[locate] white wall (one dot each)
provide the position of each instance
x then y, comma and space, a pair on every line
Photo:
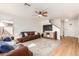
21, 24
78, 28
21, 15
71, 28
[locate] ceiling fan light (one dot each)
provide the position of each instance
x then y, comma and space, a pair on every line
39, 15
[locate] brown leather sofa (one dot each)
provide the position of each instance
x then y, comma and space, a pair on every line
22, 51
30, 36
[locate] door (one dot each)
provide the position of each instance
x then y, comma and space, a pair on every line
70, 28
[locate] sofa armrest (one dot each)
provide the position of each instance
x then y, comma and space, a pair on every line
23, 51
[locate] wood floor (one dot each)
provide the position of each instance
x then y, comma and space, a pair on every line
69, 47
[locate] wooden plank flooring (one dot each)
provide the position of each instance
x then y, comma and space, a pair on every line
69, 47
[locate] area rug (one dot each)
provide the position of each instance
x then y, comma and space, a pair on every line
42, 46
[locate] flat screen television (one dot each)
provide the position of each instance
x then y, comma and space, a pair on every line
47, 28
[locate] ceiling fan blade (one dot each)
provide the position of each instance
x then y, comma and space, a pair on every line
45, 15
45, 12
27, 4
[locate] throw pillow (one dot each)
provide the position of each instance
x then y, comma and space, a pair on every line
36, 33
7, 39
6, 48
25, 34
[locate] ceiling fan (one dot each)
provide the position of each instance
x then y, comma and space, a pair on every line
42, 13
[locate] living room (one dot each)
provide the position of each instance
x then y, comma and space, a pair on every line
39, 29
21, 18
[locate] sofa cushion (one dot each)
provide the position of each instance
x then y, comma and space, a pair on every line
25, 34
36, 33
30, 33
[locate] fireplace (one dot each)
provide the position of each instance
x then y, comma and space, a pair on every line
50, 34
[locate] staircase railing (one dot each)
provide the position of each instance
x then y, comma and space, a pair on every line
57, 26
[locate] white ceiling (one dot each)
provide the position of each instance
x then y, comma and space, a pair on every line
59, 9
64, 10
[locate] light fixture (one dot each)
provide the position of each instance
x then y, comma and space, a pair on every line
66, 20
2, 24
